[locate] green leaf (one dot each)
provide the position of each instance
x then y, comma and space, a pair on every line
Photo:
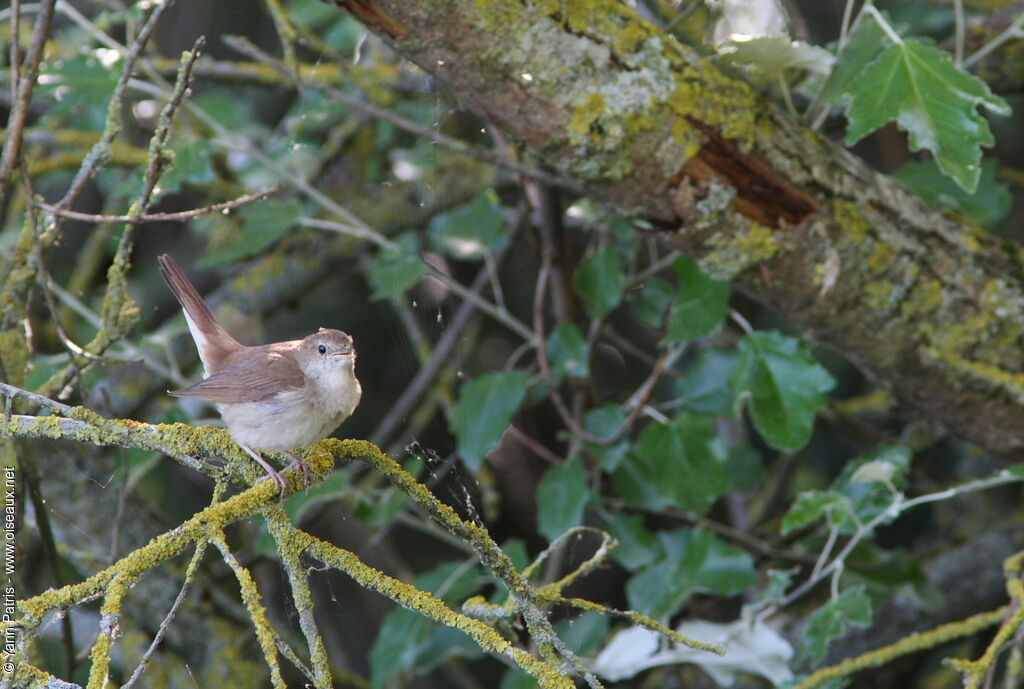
396, 270
705, 387
380, 509
885, 465
773, 55
863, 46
829, 622
191, 164
263, 224
637, 546
987, 206
779, 581
514, 678
694, 561
701, 304
398, 645
604, 422
599, 281
583, 633
867, 485
783, 385
483, 412
934, 102
683, 464
567, 353
652, 300
472, 229
231, 112
408, 642
334, 487
82, 82
561, 497
812, 505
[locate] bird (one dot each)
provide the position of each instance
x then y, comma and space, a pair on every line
274, 397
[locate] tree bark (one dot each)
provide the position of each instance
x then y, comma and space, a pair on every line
928, 304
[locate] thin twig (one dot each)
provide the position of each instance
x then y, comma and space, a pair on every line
190, 573
438, 358
246, 47
160, 217
101, 149
535, 445
24, 87
1012, 31
642, 394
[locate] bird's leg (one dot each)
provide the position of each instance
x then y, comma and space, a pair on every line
271, 471
298, 463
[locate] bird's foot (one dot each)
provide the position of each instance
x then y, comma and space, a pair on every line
272, 473
297, 463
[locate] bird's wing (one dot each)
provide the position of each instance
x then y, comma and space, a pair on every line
247, 382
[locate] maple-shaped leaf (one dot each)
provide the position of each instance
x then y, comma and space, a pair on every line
933, 101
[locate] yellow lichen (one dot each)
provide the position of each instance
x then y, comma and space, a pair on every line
881, 257
732, 253
851, 220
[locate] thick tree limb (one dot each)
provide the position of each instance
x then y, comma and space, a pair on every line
930, 306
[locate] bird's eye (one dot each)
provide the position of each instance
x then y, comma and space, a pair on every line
322, 349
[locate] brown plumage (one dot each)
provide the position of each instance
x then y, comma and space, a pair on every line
278, 396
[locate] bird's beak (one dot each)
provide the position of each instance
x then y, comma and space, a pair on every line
347, 351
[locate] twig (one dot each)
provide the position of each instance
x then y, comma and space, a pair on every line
101, 149
1012, 31
160, 217
499, 314
190, 573
538, 448
244, 46
24, 85
431, 367
77, 422
641, 395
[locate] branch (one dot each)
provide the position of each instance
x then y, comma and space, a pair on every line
930, 305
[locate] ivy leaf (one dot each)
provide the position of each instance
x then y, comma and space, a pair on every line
483, 412
933, 101
773, 55
409, 642
561, 497
812, 505
471, 230
637, 546
988, 205
567, 353
604, 422
652, 300
583, 633
705, 387
599, 281
398, 269
191, 164
80, 82
830, 621
263, 224
701, 304
682, 464
864, 45
694, 560
784, 386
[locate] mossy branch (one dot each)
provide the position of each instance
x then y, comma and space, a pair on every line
191, 445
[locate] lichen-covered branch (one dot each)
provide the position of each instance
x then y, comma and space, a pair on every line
928, 304
183, 441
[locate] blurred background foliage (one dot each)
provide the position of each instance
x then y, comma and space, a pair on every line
538, 360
